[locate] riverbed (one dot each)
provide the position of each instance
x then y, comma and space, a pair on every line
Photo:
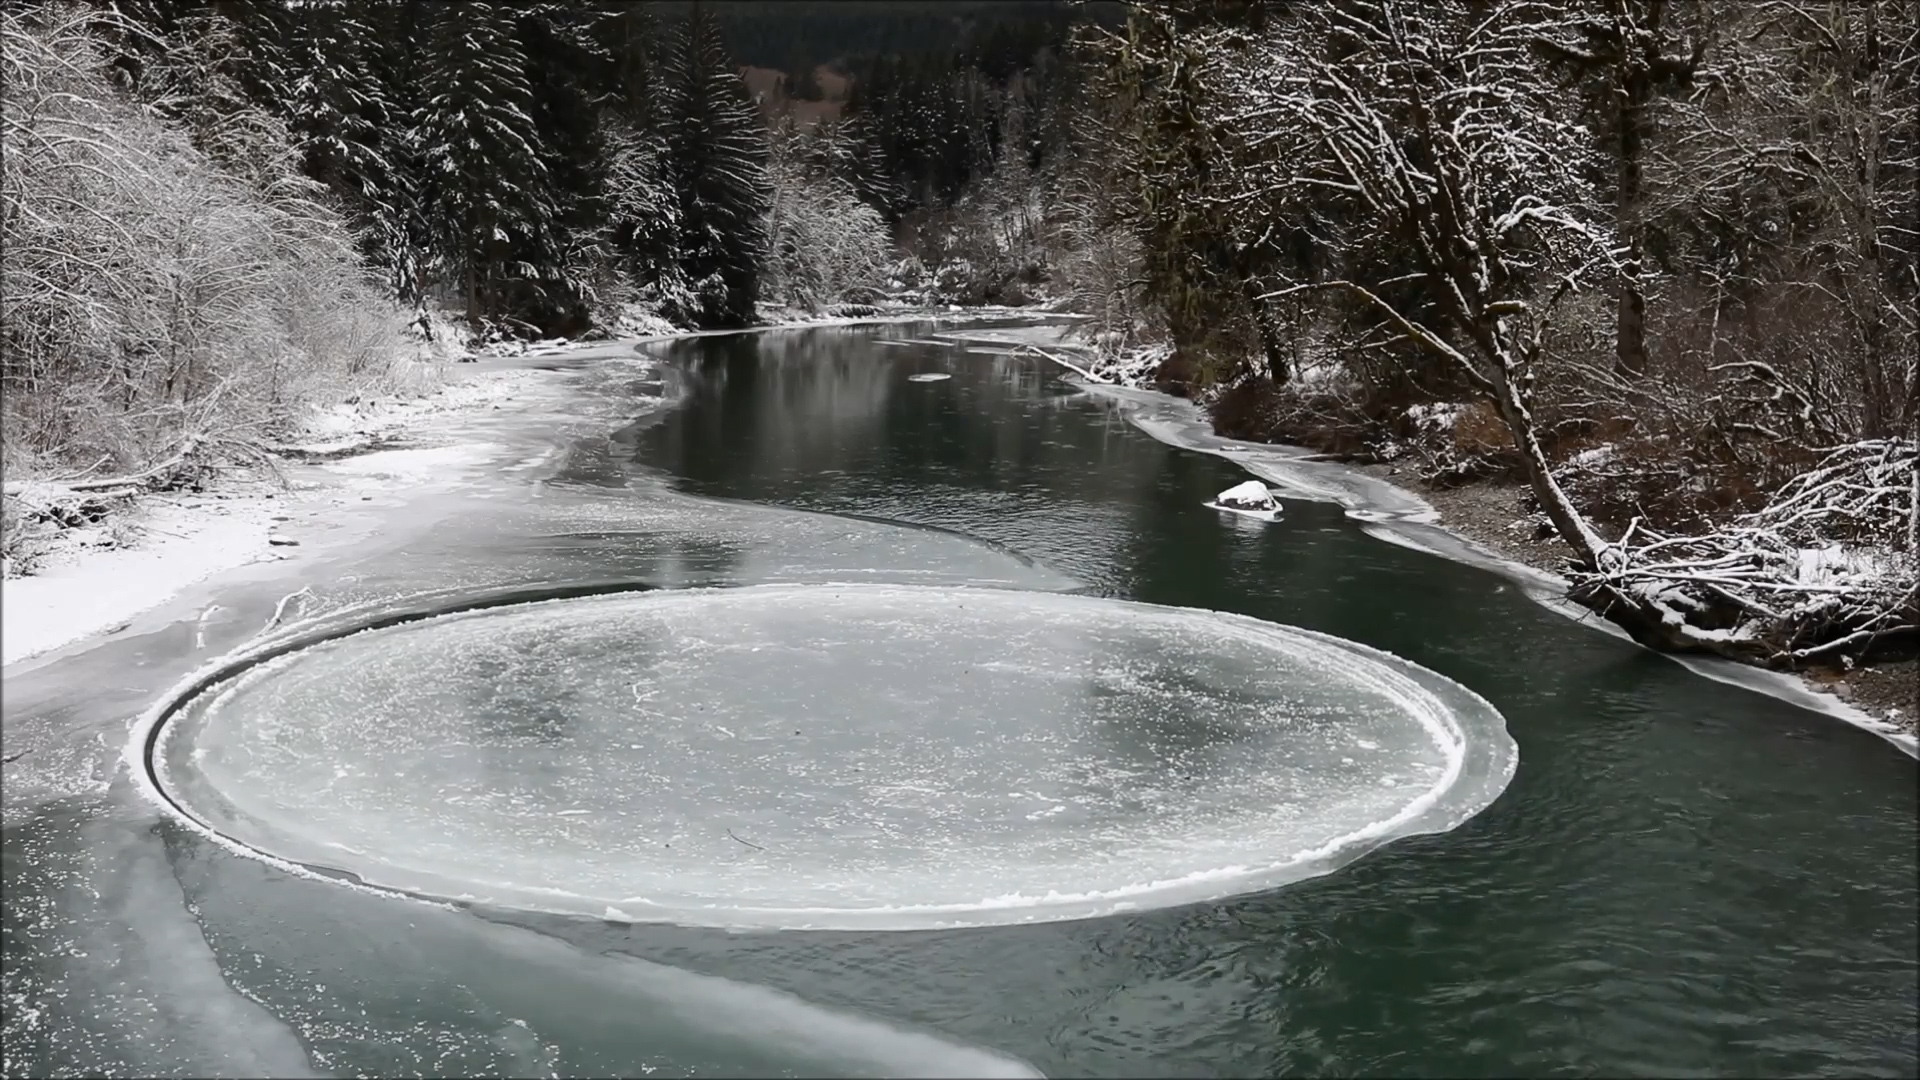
1678, 876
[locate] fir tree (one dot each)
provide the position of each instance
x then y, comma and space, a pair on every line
567, 71
643, 208
719, 159
487, 190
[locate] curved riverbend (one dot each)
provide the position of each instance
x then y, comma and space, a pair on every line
1683, 877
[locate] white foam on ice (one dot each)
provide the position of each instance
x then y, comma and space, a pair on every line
1189, 755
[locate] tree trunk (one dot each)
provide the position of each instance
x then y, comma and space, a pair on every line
1630, 324
1272, 341
1554, 500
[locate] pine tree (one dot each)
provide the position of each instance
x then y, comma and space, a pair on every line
568, 72
719, 158
487, 200
340, 111
643, 207
391, 41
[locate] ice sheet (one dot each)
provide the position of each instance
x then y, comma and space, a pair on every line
834, 755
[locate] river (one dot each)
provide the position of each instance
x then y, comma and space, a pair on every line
1681, 878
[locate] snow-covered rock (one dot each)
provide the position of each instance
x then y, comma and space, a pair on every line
1252, 495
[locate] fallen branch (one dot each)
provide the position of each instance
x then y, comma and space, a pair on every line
166, 468
1818, 572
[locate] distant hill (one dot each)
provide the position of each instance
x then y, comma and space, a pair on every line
790, 35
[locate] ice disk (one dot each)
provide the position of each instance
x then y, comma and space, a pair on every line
833, 756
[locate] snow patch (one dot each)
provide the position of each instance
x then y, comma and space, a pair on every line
1251, 499
85, 592
82, 588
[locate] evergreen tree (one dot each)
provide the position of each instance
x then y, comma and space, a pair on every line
719, 160
341, 113
390, 38
487, 189
630, 38
643, 207
567, 71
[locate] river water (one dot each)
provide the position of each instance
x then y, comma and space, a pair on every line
1681, 878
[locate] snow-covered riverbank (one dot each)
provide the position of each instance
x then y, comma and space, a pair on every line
96, 578
1448, 526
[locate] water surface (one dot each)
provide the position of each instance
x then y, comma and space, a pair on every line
1682, 878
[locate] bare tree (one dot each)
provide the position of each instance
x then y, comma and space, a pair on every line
1626, 53
825, 245
155, 306
1434, 125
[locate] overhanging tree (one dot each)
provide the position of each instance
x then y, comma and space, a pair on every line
1432, 124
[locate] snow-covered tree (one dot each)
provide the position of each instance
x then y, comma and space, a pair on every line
486, 182
158, 307
717, 148
1432, 126
825, 245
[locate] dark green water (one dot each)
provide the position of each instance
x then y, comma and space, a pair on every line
1683, 878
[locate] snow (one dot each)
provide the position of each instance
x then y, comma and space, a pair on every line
409, 467
85, 591
87, 584
1835, 564
1251, 495
349, 424
1250, 499
1436, 418
1594, 457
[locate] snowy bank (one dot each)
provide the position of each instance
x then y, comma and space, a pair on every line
99, 577
1393, 513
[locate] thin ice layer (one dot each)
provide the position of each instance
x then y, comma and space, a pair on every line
835, 755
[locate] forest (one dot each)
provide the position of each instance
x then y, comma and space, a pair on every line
1655, 259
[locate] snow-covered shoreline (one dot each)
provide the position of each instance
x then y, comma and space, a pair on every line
97, 580
1398, 515
94, 580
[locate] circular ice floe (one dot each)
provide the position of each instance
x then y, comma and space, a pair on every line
832, 756
929, 376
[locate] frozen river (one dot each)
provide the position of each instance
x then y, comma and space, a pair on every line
792, 704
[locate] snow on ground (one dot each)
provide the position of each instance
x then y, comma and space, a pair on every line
350, 424
93, 580
82, 589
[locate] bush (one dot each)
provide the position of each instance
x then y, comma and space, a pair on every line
148, 294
